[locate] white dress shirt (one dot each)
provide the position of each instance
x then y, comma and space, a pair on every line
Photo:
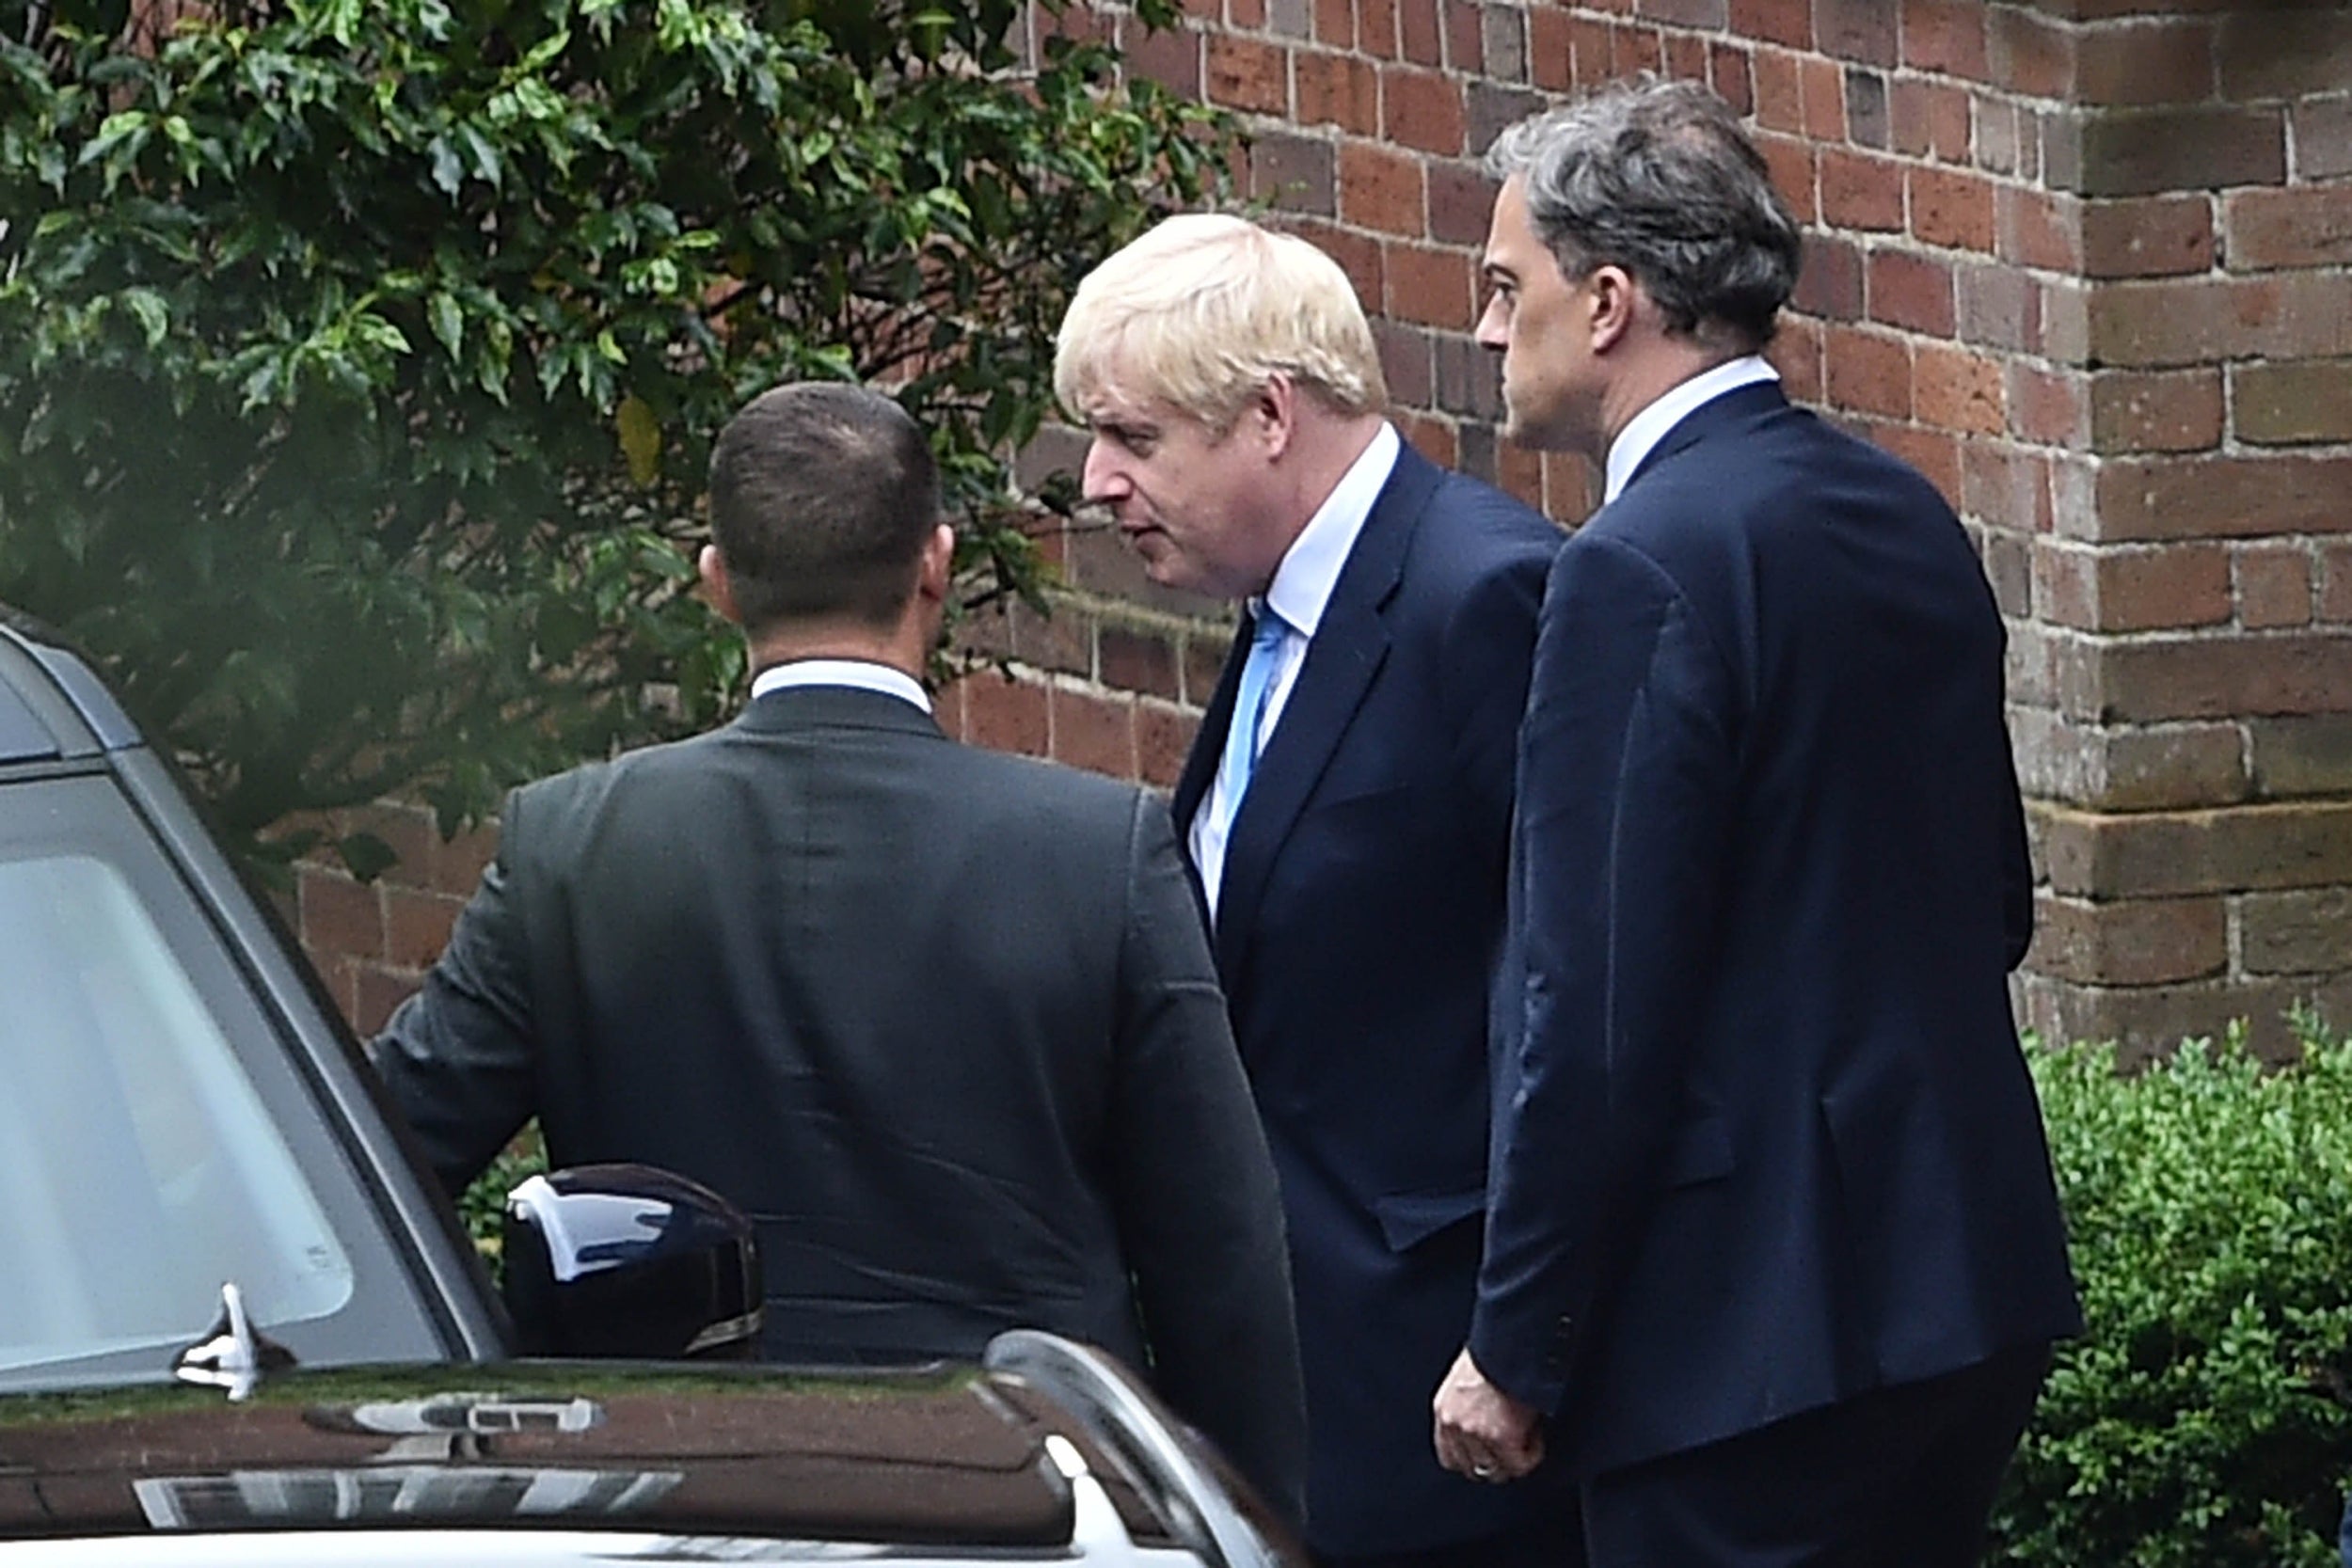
1300, 591
1644, 431
863, 674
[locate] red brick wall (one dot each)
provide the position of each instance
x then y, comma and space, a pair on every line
2086, 262
2186, 681
372, 942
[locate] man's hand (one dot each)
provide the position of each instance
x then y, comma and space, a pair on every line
1481, 1431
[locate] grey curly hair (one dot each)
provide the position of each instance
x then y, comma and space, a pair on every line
1656, 177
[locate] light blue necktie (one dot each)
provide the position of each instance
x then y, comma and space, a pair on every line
1257, 680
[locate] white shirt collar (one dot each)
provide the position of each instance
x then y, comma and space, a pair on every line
863, 674
1643, 432
1310, 567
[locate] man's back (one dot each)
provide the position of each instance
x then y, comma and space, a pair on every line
1814, 798
942, 1021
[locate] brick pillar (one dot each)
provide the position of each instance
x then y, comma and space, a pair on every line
2185, 680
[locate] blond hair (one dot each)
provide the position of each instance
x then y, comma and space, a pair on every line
1203, 310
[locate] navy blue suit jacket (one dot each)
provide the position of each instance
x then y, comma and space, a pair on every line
1770, 1142
1358, 922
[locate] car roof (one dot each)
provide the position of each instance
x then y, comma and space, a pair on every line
52, 706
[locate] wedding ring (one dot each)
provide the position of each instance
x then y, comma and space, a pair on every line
1484, 1472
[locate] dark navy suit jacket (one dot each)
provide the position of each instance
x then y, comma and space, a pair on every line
1358, 922
1769, 1140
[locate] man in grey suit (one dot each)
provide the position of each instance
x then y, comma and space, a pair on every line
940, 1019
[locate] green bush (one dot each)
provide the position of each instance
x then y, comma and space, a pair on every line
482, 1205
359, 362
2199, 1422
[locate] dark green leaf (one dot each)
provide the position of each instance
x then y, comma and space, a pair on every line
366, 856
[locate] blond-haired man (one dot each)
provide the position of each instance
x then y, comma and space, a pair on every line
1347, 805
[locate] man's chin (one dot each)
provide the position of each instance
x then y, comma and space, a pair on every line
1170, 573
1162, 563
1533, 433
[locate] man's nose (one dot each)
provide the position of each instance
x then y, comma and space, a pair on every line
1493, 330
1104, 479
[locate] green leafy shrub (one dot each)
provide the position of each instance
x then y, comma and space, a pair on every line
482, 1204
359, 362
2199, 1422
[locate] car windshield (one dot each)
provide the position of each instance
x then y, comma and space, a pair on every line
156, 1141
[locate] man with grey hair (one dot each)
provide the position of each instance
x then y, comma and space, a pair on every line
1346, 806
1773, 1256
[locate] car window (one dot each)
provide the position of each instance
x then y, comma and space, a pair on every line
130, 1118
155, 1139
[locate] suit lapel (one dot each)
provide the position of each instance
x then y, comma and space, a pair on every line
1346, 651
1208, 742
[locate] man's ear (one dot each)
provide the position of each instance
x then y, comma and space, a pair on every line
718, 587
936, 568
1272, 416
1615, 297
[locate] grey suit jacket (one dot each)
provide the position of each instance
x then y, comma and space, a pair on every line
944, 1021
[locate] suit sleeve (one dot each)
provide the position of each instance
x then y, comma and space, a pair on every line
457, 1056
1199, 1211
2016, 863
1490, 639
1626, 766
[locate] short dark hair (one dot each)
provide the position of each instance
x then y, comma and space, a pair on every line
1656, 177
821, 498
